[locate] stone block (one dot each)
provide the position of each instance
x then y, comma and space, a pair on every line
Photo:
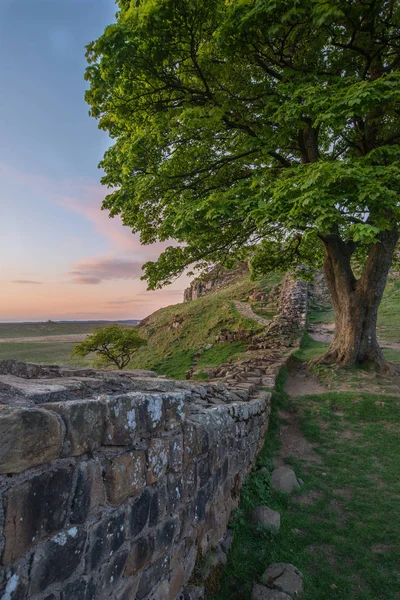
13, 585
89, 491
285, 578
140, 555
283, 479
34, 509
165, 535
111, 575
176, 453
106, 537
84, 422
158, 505
261, 592
153, 575
151, 414
56, 559
127, 589
28, 437
157, 459
176, 581
139, 513
121, 425
175, 493
189, 480
266, 518
124, 476
82, 589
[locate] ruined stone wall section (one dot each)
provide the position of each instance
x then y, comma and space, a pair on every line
111, 483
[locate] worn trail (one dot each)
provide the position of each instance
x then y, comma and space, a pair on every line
246, 311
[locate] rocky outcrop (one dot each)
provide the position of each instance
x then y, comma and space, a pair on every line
214, 280
112, 483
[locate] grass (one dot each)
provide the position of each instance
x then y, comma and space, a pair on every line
178, 335
346, 543
389, 311
42, 352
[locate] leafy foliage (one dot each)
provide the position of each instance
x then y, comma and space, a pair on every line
240, 124
114, 344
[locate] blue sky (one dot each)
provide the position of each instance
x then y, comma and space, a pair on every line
62, 257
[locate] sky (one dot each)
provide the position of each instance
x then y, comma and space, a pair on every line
61, 256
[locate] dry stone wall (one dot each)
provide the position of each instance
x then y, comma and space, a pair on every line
111, 482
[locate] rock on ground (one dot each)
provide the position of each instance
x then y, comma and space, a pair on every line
262, 515
284, 577
192, 593
283, 479
261, 592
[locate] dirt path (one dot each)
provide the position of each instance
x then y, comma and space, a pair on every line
69, 337
300, 382
246, 311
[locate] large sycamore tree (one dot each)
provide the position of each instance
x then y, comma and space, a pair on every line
266, 128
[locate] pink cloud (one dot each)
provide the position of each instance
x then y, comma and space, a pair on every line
95, 270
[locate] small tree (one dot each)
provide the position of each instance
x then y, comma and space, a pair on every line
114, 345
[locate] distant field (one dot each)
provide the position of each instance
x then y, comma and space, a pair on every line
56, 347
16, 330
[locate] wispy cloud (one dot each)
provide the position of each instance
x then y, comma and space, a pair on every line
27, 281
98, 269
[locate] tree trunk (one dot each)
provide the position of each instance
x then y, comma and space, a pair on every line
356, 301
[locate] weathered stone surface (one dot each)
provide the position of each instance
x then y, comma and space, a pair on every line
34, 509
28, 437
157, 459
89, 493
124, 476
151, 577
82, 589
139, 513
140, 555
56, 559
121, 420
176, 581
283, 479
284, 577
106, 538
261, 592
84, 421
13, 585
193, 593
226, 544
266, 517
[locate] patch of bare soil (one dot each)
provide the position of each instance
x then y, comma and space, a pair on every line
326, 550
293, 442
322, 332
301, 383
309, 498
68, 337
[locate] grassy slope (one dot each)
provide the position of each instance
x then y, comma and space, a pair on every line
345, 543
388, 317
172, 351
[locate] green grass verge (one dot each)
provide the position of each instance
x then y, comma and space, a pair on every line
346, 542
42, 352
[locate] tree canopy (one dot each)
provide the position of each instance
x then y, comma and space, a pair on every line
244, 122
115, 345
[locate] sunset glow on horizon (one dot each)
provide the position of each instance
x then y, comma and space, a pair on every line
63, 258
